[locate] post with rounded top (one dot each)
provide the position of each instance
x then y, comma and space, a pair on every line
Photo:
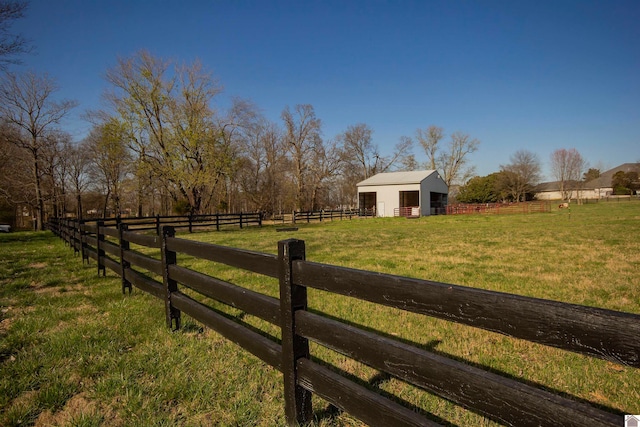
170, 285
294, 347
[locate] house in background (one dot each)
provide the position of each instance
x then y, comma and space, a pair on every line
595, 189
417, 193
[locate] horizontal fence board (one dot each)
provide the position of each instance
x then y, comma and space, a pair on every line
606, 334
364, 404
141, 239
91, 253
142, 228
248, 260
112, 265
258, 345
254, 303
499, 398
139, 260
90, 228
145, 283
110, 247
110, 231
91, 240
139, 221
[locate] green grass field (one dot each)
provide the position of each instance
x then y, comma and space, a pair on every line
75, 352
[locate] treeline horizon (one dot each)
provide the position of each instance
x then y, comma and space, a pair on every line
162, 145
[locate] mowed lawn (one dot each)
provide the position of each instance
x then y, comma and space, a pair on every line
75, 351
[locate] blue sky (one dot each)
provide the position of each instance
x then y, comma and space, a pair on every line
536, 75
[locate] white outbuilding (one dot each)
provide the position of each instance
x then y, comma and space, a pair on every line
417, 193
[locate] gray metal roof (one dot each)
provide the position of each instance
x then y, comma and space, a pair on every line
604, 181
396, 178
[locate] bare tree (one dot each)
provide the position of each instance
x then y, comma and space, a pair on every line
429, 139
27, 105
235, 128
263, 169
359, 151
302, 139
55, 166
567, 167
401, 155
454, 162
327, 161
110, 160
11, 45
520, 176
16, 187
78, 158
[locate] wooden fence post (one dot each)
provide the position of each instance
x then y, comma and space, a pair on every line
83, 243
241, 220
99, 250
170, 285
190, 223
217, 222
158, 225
124, 265
74, 236
292, 298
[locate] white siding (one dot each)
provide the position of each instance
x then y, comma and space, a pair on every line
389, 195
388, 187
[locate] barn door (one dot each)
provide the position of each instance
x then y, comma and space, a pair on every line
380, 210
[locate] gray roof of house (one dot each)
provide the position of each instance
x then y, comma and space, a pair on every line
397, 178
603, 181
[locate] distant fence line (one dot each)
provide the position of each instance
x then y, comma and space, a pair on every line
590, 331
499, 208
177, 221
220, 220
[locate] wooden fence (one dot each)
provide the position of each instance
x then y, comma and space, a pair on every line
330, 215
594, 332
499, 208
177, 221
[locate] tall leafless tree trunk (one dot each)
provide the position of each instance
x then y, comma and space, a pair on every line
454, 162
519, 176
27, 105
430, 139
358, 149
567, 167
302, 136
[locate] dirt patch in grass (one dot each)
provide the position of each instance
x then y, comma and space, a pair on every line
47, 289
79, 408
38, 265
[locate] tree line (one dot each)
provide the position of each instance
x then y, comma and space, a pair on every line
517, 180
164, 145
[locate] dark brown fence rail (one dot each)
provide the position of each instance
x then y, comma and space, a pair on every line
594, 332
